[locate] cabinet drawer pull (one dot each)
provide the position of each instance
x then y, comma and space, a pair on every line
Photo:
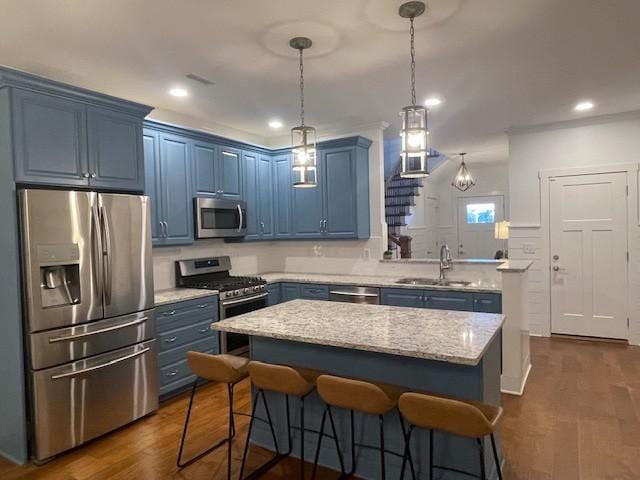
204, 330
169, 314
170, 340
203, 305
172, 374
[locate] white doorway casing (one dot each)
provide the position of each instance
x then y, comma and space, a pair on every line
588, 255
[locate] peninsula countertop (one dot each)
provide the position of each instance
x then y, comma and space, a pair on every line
443, 335
388, 281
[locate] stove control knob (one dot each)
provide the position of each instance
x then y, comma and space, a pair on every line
236, 292
247, 290
262, 287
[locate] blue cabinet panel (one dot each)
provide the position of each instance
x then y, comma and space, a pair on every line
449, 300
289, 291
314, 292
152, 181
229, 173
307, 208
115, 150
204, 159
250, 168
282, 195
487, 302
339, 195
177, 199
274, 293
265, 197
401, 297
50, 139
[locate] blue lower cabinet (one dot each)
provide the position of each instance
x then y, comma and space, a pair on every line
314, 292
183, 327
289, 291
274, 293
487, 302
448, 300
402, 297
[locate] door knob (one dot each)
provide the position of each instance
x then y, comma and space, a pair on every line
556, 268
556, 257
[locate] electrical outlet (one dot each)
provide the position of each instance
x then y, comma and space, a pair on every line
529, 248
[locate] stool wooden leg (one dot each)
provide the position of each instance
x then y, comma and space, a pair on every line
230, 434
495, 457
320, 436
383, 470
483, 474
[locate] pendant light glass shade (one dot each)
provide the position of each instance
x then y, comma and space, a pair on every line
463, 180
303, 148
414, 152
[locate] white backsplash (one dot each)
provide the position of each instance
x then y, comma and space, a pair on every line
331, 257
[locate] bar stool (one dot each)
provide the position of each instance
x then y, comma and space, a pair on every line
224, 368
365, 397
459, 417
291, 382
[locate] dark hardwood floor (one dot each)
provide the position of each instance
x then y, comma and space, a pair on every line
579, 419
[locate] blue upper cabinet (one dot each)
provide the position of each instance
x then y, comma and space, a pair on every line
282, 195
115, 150
152, 181
175, 187
70, 137
265, 197
204, 178
229, 173
339, 198
307, 207
250, 160
50, 139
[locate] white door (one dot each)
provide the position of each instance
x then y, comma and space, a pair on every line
476, 226
588, 235
431, 226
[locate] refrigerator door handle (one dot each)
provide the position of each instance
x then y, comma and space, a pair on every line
107, 257
71, 338
101, 366
97, 251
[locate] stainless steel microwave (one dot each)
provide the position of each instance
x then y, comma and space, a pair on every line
220, 218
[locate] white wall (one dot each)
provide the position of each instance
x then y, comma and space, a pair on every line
594, 142
491, 179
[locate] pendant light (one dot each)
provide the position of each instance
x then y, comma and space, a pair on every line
463, 180
303, 137
414, 150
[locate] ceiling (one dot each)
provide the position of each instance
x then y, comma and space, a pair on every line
495, 63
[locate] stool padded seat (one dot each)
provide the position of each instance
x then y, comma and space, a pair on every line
294, 381
374, 398
222, 368
466, 418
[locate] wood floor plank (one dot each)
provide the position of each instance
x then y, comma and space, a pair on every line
578, 419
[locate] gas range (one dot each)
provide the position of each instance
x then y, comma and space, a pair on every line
213, 274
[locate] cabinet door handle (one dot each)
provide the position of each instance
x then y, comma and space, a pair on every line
324, 222
86, 175
321, 225
262, 226
93, 175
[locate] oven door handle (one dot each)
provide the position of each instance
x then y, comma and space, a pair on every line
240, 218
244, 300
353, 294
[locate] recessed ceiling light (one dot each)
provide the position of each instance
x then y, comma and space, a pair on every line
432, 102
275, 124
178, 92
583, 106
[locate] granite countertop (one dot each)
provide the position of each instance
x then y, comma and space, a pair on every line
389, 281
172, 295
443, 335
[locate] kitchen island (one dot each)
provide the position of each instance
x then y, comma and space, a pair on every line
439, 351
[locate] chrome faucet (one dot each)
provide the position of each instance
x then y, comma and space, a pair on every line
445, 261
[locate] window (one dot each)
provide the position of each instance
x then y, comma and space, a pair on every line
481, 213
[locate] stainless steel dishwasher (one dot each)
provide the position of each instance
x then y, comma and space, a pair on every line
349, 294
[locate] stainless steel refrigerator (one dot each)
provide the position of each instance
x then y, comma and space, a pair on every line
88, 307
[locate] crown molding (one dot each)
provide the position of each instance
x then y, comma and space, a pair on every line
576, 122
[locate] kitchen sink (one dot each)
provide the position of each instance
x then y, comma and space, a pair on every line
434, 282
418, 281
